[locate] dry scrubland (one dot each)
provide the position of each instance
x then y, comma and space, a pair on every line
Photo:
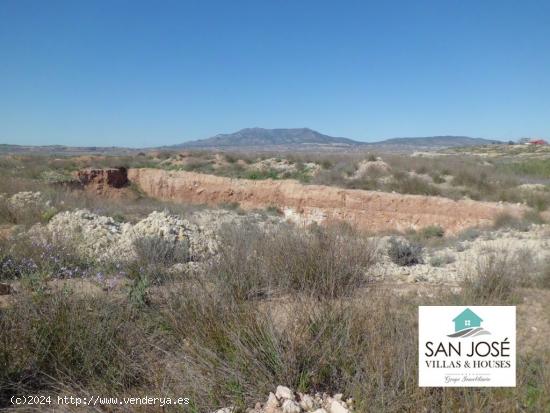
120, 294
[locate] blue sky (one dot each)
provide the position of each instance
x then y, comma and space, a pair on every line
147, 73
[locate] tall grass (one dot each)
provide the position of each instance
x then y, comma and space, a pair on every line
220, 352
326, 262
91, 343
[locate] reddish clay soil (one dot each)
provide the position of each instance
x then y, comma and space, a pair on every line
367, 210
108, 183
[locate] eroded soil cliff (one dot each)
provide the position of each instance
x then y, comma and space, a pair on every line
369, 210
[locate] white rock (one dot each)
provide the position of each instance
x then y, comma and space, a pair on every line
225, 410
290, 406
306, 402
104, 239
283, 392
336, 407
272, 405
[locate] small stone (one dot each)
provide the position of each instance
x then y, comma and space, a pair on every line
336, 407
321, 410
283, 392
306, 402
290, 406
5, 289
272, 405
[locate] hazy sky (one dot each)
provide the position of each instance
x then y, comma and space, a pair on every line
147, 73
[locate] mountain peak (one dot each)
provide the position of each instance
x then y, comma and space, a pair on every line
261, 137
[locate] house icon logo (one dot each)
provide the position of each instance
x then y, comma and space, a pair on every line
468, 324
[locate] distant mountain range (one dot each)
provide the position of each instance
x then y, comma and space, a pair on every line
271, 139
65, 150
308, 138
447, 141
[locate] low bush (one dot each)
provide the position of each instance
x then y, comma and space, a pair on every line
158, 251
238, 352
42, 257
507, 221
200, 165
469, 234
405, 254
442, 260
544, 281
539, 201
318, 261
533, 167
432, 231
60, 338
154, 257
405, 184
494, 278
257, 174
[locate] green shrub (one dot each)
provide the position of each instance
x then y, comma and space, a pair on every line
405, 254
545, 277
532, 167
538, 201
405, 184
432, 231
441, 260
507, 221
155, 256
437, 178
274, 210
257, 175
494, 279
326, 164
318, 261
469, 234
60, 338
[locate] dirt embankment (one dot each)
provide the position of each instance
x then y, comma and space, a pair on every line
368, 210
108, 183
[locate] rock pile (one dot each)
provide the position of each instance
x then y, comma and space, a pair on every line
467, 254
366, 167
27, 200
25, 205
284, 400
284, 166
104, 239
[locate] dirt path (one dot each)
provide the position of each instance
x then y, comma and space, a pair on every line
368, 210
